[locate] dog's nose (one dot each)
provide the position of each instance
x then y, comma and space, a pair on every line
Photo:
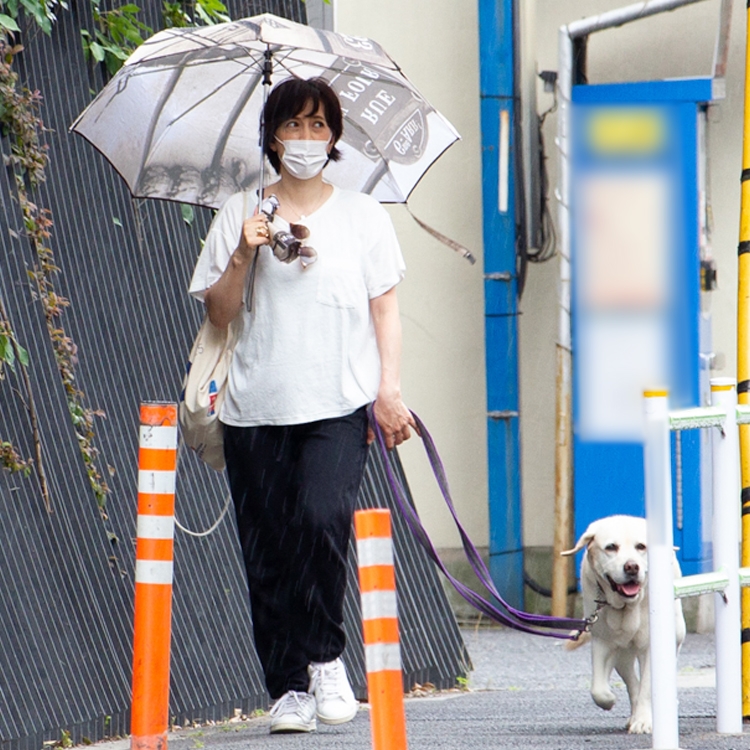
631, 567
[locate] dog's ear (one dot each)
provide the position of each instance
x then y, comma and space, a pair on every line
586, 538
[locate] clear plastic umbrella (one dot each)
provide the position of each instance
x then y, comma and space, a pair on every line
180, 120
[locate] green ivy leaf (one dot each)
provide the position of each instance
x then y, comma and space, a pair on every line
214, 7
7, 355
23, 356
96, 51
116, 221
211, 12
188, 214
39, 12
132, 35
8, 23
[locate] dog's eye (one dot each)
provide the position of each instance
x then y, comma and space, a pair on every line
611, 547
641, 547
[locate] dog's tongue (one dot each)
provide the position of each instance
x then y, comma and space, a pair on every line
629, 589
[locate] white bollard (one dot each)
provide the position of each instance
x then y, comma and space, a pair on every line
726, 540
663, 649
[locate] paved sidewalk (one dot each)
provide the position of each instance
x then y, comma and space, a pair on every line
525, 693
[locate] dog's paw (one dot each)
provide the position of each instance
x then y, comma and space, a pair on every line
604, 699
639, 724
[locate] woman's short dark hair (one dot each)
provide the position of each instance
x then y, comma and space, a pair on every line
288, 99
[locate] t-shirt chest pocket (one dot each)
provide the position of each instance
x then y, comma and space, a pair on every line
340, 285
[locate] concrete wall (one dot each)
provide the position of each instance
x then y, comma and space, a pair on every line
436, 44
442, 305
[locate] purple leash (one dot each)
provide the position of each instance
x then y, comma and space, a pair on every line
556, 627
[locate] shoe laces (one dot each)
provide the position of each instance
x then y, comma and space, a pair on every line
328, 677
290, 702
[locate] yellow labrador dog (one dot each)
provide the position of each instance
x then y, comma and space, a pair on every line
614, 576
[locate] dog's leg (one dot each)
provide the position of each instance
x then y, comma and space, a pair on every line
625, 667
641, 721
602, 662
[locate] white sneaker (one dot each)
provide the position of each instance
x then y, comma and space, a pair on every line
293, 712
329, 684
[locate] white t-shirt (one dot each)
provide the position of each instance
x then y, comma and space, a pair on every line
307, 351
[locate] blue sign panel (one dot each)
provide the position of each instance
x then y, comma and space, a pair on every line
636, 295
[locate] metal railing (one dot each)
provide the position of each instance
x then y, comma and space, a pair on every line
722, 418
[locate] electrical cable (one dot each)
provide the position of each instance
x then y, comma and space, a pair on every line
548, 247
539, 589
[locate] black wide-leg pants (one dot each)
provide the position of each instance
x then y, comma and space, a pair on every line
294, 489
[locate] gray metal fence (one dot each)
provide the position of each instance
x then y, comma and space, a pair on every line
66, 593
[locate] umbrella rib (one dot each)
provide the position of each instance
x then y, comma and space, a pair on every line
178, 36
150, 144
223, 84
148, 141
231, 120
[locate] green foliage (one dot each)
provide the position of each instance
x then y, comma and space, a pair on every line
188, 213
42, 12
10, 353
195, 13
10, 349
65, 741
19, 122
12, 461
8, 24
27, 161
118, 32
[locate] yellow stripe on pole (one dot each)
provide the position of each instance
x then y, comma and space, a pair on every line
743, 367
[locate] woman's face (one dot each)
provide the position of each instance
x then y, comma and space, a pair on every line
308, 125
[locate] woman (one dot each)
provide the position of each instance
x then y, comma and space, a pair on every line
320, 342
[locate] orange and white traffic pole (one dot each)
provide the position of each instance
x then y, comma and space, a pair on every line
377, 582
157, 462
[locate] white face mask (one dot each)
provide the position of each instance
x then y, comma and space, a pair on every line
304, 159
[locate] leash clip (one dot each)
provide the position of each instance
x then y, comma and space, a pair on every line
600, 605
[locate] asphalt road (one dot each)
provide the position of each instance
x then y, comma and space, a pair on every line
525, 693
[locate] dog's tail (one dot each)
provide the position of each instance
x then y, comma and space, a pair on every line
573, 645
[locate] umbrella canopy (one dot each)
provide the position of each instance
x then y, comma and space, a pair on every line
180, 120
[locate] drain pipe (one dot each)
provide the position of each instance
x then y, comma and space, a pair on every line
571, 66
501, 189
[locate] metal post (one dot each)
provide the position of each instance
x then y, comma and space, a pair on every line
726, 538
743, 368
564, 356
498, 100
663, 636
